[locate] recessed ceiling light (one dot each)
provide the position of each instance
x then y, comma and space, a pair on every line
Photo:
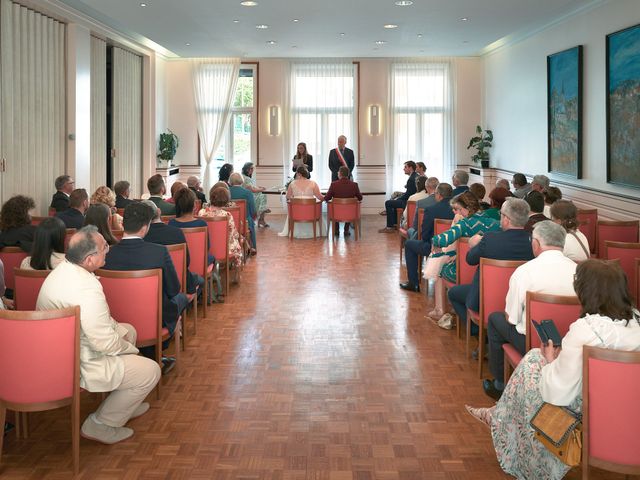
390, 26
419, 35
404, 3
295, 20
236, 21
294, 46
421, 51
380, 42
342, 34
188, 44
271, 42
465, 41
143, 4
464, 19
262, 26
248, 3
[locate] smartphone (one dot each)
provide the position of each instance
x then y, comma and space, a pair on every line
547, 331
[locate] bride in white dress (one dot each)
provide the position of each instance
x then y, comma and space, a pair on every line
302, 187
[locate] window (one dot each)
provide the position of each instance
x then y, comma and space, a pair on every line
420, 117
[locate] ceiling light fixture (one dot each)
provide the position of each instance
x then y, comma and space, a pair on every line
271, 42
419, 35
342, 34
248, 3
390, 26
404, 3
262, 26
143, 4
236, 21
380, 42
464, 19
188, 44
295, 20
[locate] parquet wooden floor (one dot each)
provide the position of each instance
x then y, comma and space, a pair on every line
318, 367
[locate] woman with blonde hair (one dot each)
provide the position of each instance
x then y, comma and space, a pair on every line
107, 196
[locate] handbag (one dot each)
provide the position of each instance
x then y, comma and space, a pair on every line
560, 431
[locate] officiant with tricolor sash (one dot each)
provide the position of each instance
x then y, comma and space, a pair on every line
341, 156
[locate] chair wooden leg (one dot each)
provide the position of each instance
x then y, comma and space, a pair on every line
176, 342
205, 294
356, 227
226, 280
314, 229
159, 360
3, 418
480, 347
195, 313
25, 424
468, 340
506, 375
75, 432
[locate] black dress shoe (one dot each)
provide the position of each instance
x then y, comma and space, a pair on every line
347, 233
168, 363
491, 390
410, 286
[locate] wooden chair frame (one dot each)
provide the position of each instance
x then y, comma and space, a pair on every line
206, 271
410, 209
591, 215
316, 220
343, 201
220, 263
193, 298
615, 223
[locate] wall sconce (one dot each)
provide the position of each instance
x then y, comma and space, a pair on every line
374, 120
274, 120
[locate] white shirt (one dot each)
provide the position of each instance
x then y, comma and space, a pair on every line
561, 380
572, 248
550, 272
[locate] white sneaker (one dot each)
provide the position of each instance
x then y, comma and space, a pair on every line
104, 433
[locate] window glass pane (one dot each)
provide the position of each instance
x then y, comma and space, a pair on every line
241, 124
324, 92
433, 141
244, 93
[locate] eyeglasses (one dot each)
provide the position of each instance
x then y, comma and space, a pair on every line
505, 215
105, 250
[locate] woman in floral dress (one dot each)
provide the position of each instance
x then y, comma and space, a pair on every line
219, 198
259, 197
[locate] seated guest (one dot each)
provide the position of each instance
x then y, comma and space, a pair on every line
551, 195
73, 217
520, 185
175, 186
238, 192
576, 245
480, 191
414, 248
193, 183
512, 243
221, 185
121, 190
5, 304
497, 196
15, 223
163, 234
400, 202
107, 197
549, 272
225, 173
540, 183
99, 215
185, 201
554, 375
259, 197
535, 199
421, 169
157, 189
64, 187
343, 188
108, 355
430, 199
421, 193
48, 246
460, 179
219, 198
503, 183
133, 253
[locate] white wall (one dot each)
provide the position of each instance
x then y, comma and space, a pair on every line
516, 97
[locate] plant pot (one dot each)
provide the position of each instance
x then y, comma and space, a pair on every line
484, 163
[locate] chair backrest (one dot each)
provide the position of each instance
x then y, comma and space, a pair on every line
241, 203
218, 231
610, 414
464, 271
37, 220
344, 209
411, 211
616, 232
120, 211
69, 233
636, 274
178, 254
441, 225
238, 219
135, 297
588, 223
626, 253
166, 218
40, 357
419, 226
27, 287
563, 310
494, 284
303, 209
197, 244
11, 258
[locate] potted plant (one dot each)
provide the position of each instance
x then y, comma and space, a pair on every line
481, 142
168, 146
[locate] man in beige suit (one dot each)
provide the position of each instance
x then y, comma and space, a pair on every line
108, 356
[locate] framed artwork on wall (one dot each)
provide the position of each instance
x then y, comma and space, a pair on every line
564, 112
623, 107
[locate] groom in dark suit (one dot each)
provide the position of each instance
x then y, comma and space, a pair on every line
343, 188
341, 156
390, 206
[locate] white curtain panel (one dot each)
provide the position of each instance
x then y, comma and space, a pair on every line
214, 87
32, 103
127, 119
322, 106
98, 113
420, 120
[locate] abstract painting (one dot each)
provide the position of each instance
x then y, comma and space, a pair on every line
623, 107
564, 112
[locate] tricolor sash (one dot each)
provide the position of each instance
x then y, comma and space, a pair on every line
341, 158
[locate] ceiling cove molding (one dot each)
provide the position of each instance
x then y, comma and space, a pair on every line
518, 37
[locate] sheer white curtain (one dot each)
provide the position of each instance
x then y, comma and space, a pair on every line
322, 103
98, 113
214, 86
32, 103
127, 119
420, 120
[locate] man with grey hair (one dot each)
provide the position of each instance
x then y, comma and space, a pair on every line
121, 189
503, 183
520, 185
238, 192
430, 199
194, 185
512, 243
459, 180
540, 183
549, 272
64, 186
109, 360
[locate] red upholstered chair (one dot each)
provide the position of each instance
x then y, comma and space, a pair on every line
178, 254
304, 210
196, 207
242, 227
11, 258
441, 225
67, 237
616, 232
145, 314
464, 271
166, 218
118, 234
494, 284
626, 254
218, 231
197, 238
344, 210
411, 210
610, 414
588, 219
37, 220
40, 358
27, 287
563, 310
239, 221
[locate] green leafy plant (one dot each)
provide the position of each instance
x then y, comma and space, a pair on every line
481, 142
168, 146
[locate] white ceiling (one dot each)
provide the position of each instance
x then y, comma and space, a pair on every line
208, 26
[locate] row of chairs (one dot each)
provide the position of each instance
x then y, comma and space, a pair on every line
309, 210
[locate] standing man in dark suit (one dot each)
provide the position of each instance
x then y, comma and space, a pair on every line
512, 243
400, 202
121, 189
343, 188
64, 186
133, 253
414, 248
73, 217
157, 189
341, 156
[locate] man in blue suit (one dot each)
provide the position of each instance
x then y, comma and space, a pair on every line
414, 248
460, 179
512, 243
238, 192
400, 202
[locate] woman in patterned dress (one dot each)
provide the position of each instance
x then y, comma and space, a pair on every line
259, 197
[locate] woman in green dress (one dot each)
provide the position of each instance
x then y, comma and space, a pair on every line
259, 197
497, 196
